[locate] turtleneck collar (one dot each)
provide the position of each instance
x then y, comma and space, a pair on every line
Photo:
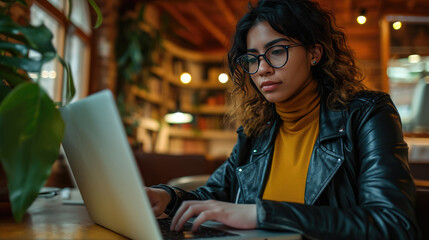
302, 109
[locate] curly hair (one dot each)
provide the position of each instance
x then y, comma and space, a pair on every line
338, 75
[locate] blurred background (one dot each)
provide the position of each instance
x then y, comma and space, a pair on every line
168, 56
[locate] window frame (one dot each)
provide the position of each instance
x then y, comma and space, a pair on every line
66, 29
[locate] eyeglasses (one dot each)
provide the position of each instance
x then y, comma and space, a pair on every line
276, 56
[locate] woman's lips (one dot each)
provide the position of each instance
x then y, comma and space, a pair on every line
269, 86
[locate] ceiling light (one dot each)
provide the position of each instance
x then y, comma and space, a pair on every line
397, 25
185, 78
361, 19
178, 118
223, 78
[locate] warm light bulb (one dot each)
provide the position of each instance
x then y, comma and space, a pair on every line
185, 78
414, 58
361, 19
223, 78
397, 25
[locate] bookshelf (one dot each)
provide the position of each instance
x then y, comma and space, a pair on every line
204, 97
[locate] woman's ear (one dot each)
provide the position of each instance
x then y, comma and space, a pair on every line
316, 53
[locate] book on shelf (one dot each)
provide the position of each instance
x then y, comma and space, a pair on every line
149, 110
202, 123
217, 99
192, 146
213, 73
175, 146
210, 122
221, 148
186, 97
187, 146
154, 86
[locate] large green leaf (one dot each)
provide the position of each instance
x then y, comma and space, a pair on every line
26, 64
13, 48
32, 130
38, 39
4, 91
14, 78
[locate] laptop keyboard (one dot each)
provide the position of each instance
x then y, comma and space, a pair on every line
186, 233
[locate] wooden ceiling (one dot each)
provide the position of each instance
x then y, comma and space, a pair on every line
207, 26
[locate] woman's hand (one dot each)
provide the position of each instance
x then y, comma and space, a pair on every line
159, 200
241, 216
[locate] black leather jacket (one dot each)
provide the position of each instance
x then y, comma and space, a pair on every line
358, 182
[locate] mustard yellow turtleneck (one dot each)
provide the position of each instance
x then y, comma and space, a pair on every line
294, 145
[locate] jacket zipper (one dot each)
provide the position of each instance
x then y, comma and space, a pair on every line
238, 195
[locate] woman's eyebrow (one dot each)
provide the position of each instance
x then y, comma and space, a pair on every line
269, 44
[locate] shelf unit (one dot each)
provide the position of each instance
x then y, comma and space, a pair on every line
204, 97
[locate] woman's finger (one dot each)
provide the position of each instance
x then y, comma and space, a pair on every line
204, 217
158, 199
233, 215
187, 210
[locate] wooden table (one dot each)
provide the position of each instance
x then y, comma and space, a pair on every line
50, 219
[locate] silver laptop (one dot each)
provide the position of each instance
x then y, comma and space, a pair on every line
107, 175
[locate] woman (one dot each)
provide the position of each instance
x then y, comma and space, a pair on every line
317, 153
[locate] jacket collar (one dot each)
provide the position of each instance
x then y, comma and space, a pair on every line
331, 123
331, 126
325, 163
266, 140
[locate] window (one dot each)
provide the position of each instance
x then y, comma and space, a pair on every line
408, 69
71, 40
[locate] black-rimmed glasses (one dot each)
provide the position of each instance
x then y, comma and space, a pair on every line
276, 56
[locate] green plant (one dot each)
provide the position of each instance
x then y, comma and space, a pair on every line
134, 48
31, 125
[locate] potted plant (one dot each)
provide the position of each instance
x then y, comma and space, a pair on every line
135, 45
31, 125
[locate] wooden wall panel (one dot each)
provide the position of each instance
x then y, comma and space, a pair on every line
103, 62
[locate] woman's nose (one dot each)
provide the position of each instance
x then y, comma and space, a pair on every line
264, 67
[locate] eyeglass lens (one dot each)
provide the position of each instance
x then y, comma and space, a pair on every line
275, 56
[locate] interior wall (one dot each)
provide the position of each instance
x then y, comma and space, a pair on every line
365, 40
